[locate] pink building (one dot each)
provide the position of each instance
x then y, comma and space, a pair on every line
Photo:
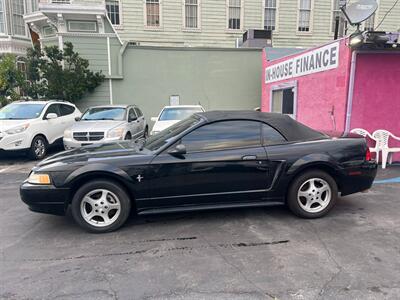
336, 88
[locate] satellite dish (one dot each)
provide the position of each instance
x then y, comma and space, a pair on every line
359, 11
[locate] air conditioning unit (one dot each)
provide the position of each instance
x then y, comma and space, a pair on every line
257, 38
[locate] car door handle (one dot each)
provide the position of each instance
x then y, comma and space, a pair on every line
249, 157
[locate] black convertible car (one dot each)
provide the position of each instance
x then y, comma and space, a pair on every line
211, 160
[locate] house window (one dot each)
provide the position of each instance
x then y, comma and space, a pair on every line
82, 26
283, 101
304, 15
2, 18
370, 23
113, 11
48, 31
18, 11
335, 13
270, 14
153, 13
191, 13
234, 14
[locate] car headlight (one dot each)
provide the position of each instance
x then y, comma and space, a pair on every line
68, 134
35, 178
18, 129
116, 132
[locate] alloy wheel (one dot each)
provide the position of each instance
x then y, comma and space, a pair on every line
100, 208
314, 195
39, 148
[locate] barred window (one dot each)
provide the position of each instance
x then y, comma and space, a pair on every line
153, 13
18, 11
304, 15
370, 23
234, 13
270, 15
191, 13
2, 18
113, 7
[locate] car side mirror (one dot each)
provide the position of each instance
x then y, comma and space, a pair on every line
178, 150
77, 119
131, 119
154, 119
51, 116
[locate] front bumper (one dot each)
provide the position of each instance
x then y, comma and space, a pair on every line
358, 178
73, 144
45, 198
19, 141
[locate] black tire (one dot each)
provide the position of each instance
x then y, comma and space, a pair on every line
294, 203
128, 136
146, 132
38, 149
115, 189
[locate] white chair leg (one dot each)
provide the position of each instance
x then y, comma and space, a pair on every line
384, 158
377, 157
390, 158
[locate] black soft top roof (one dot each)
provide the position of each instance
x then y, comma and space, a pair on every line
289, 128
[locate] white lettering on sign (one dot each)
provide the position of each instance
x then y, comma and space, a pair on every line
318, 60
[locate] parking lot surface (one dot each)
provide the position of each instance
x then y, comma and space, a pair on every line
263, 253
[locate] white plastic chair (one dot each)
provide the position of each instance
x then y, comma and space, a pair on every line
382, 141
365, 134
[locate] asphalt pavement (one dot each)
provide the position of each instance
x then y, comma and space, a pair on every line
263, 253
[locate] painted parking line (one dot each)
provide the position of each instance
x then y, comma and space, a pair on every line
5, 169
389, 180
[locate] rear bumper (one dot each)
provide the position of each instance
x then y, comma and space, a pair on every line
359, 178
45, 199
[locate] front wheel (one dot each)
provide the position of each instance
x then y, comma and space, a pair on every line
38, 148
101, 206
312, 194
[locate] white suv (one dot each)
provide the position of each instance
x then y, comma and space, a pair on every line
35, 125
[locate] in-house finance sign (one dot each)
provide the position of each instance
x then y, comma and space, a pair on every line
318, 60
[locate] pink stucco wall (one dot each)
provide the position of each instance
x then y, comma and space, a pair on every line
376, 93
376, 99
321, 97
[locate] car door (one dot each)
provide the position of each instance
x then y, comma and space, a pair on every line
134, 125
225, 162
140, 119
67, 116
53, 127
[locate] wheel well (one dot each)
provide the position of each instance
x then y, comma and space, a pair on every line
42, 135
101, 176
317, 167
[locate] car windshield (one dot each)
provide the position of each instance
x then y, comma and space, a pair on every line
158, 140
104, 113
178, 113
21, 111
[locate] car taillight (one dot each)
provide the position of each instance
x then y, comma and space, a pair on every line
368, 155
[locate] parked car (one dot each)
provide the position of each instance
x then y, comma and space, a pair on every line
210, 160
104, 124
35, 125
170, 115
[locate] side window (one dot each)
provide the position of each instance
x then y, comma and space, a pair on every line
271, 136
138, 112
53, 109
223, 135
132, 114
66, 109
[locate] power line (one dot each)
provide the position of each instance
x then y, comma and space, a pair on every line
388, 12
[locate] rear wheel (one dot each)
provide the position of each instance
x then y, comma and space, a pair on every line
38, 148
128, 136
101, 206
312, 194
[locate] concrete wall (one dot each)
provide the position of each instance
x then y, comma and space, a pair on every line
215, 78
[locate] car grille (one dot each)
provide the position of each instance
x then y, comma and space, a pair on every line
88, 136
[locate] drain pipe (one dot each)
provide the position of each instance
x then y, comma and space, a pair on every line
350, 92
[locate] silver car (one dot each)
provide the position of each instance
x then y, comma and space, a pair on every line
104, 124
